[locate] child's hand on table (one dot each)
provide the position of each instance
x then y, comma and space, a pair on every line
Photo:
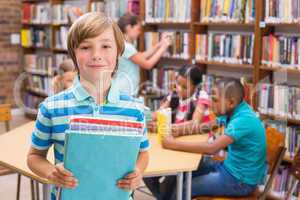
62, 177
131, 181
168, 142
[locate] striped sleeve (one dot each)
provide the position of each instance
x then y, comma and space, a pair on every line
41, 135
145, 145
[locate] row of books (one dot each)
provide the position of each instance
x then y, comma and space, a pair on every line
31, 102
279, 100
282, 182
44, 13
115, 9
163, 79
281, 50
282, 11
36, 13
36, 37
38, 63
227, 11
225, 47
179, 47
168, 11
40, 84
291, 133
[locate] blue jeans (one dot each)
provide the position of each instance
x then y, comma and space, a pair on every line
212, 179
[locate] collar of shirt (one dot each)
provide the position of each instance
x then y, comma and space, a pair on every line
81, 94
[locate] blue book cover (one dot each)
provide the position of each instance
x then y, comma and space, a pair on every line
98, 161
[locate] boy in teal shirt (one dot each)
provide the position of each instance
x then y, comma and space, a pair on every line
245, 165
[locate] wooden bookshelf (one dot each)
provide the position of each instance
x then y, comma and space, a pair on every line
279, 68
281, 118
259, 28
224, 24
195, 26
225, 65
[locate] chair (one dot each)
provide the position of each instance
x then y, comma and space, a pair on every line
5, 116
275, 154
295, 171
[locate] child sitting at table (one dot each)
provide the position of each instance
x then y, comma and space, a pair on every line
188, 103
244, 136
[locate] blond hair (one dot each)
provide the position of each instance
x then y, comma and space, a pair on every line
66, 65
91, 25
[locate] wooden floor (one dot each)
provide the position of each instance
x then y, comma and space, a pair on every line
8, 183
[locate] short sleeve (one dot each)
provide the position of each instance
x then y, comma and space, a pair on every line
129, 51
145, 145
41, 135
238, 128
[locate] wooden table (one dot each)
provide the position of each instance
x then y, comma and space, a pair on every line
15, 144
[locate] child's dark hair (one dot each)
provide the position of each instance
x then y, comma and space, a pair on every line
127, 19
233, 88
192, 72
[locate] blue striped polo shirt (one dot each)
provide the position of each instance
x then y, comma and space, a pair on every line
55, 112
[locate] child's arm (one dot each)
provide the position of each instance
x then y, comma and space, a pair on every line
197, 147
148, 63
149, 52
133, 180
192, 127
39, 164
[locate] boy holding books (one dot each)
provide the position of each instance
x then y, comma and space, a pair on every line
94, 43
244, 136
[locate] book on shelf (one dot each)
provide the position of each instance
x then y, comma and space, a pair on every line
281, 51
36, 13
38, 63
228, 11
61, 37
115, 9
58, 59
40, 84
235, 48
31, 102
158, 11
179, 47
60, 14
282, 11
282, 181
279, 100
36, 37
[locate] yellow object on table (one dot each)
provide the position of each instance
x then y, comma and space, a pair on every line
163, 123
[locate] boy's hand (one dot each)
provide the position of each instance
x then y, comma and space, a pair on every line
131, 181
168, 142
62, 177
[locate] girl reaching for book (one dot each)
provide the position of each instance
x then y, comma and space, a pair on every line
132, 60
